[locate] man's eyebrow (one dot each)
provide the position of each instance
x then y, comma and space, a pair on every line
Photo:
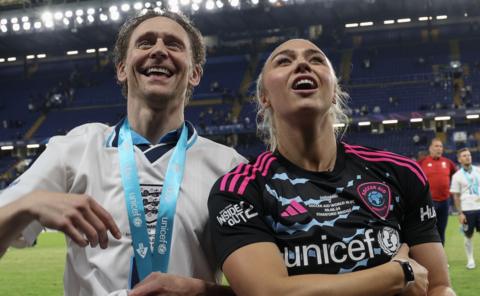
165, 36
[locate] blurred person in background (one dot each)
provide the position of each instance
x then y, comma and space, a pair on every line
466, 193
439, 171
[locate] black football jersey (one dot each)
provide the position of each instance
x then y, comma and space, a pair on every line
352, 218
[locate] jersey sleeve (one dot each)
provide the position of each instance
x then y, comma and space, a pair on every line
46, 173
236, 220
455, 185
419, 225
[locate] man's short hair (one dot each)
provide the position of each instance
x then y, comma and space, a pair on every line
197, 45
459, 151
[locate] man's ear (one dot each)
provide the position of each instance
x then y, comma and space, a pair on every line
121, 74
195, 76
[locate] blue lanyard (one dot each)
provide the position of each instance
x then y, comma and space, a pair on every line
148, 260
472, 181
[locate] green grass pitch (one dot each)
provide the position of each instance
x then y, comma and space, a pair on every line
39, 270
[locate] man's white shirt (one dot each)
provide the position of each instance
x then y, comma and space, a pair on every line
461, 185
84, 162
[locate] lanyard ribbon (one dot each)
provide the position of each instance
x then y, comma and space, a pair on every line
157, 258
472, 181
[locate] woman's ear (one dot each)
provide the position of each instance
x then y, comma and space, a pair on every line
264, 101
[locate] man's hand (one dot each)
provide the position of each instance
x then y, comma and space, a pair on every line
77, 215
462, 218
420, 284
158, 283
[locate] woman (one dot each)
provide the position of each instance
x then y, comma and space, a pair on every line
312, 207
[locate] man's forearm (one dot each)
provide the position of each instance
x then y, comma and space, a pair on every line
14, 217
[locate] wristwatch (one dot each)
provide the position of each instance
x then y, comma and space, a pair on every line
407, 270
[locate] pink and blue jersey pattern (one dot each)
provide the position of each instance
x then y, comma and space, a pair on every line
352, 218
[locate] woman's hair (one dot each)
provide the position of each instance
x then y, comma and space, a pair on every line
266, 129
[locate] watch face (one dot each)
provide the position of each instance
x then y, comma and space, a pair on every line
409, 274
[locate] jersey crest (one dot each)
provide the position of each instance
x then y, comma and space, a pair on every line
376, 196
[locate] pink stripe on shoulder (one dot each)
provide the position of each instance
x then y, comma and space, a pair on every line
223, 183
265, 164
377, 156
244, 172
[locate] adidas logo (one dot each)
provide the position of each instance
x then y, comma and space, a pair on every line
293, 209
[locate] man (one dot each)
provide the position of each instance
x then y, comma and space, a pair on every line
439, 171
466, 193
99, 178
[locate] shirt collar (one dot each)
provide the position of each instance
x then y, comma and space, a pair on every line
137, 139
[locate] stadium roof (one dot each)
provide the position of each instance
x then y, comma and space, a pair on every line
247, 18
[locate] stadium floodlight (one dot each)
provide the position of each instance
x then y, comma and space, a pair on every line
125, 7
184, 2
79, 12
37, 25
27, 26
47, 16
388, 22
416, 119
8, 147
33, 146
30, 57
366, 24
114, 16
442, 118
272, 1
66, 21
390, 121
2, 60
103, 17
147, 4
49, 24
159, 3
79, 20
113, 8
3, 22
219, 4
91, 50
25, 19
16, 27
209, 5
58, 15
102, 49
14, 20
473, 116
338, 124
90, 18
234, 3
4, 28
41, 56
364, 123
11, 59
424, 18
138, 5
91, 11
351, 25
72, 52
404, 20
68, 13
195, 7
441, 17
